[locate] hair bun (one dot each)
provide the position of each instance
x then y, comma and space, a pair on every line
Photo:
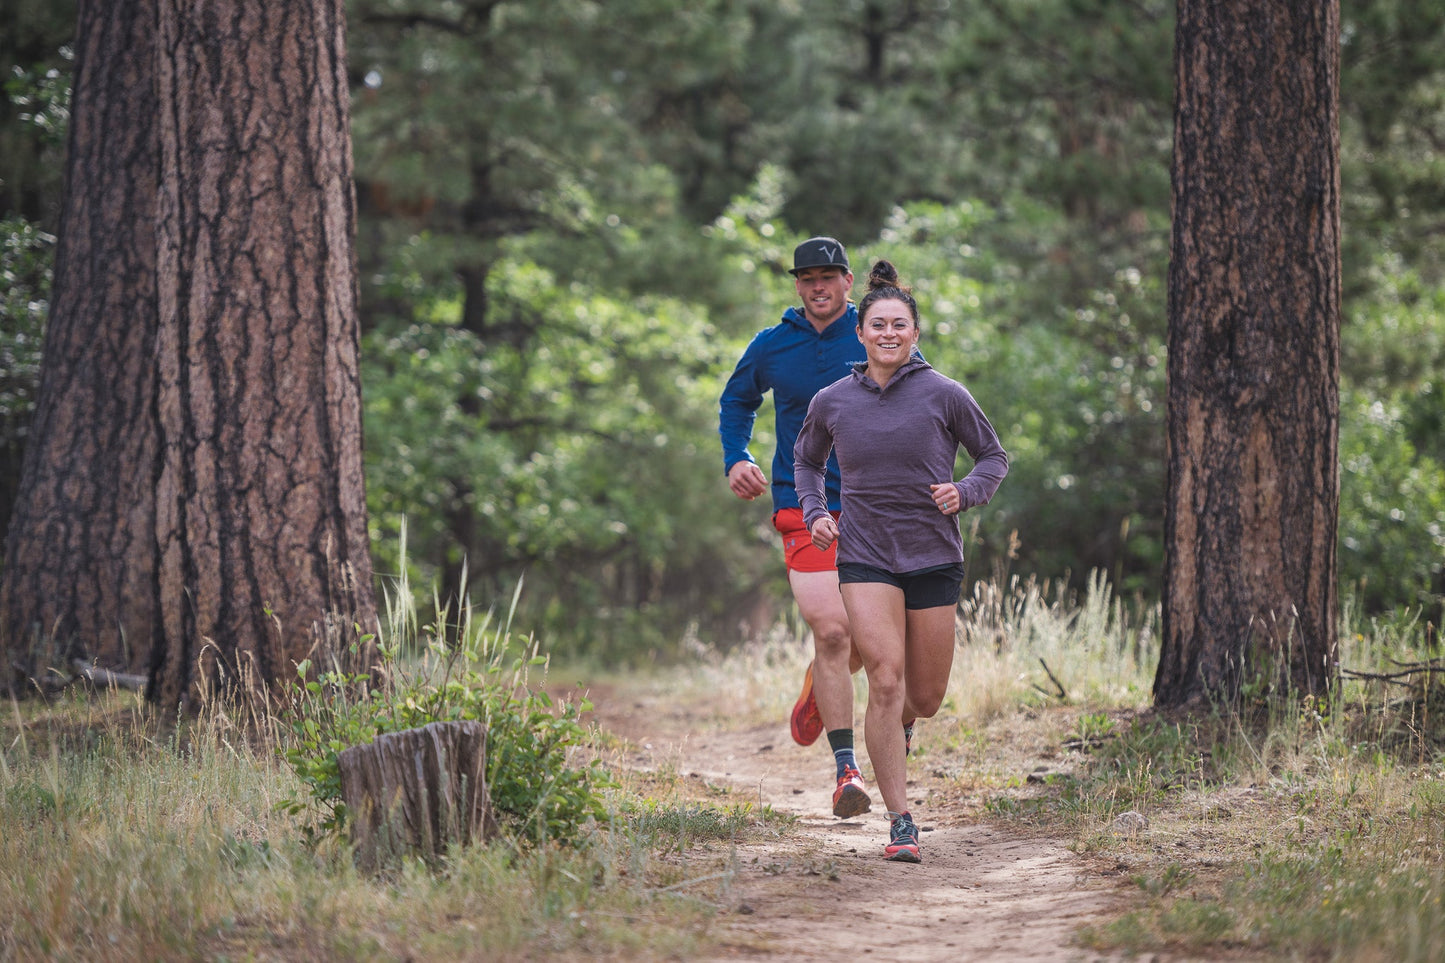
883, 285
883, 275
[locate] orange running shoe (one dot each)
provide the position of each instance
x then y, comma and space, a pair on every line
806, 724
850, 798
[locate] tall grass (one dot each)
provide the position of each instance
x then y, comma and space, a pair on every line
1298, 828
1010, 638
124, 837
1306, 830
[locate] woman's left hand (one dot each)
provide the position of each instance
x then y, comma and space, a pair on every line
945, 496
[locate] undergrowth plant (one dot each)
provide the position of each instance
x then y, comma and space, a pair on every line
470, 670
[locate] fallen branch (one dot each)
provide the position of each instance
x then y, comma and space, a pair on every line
1063, 694
106, 679
1404, 676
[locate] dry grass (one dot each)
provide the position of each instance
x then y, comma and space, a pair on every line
1299, 833
127, 840
1295, 831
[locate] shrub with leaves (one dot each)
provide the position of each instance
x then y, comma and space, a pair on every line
26, 255
537, 790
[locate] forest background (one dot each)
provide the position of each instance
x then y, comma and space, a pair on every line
574, 216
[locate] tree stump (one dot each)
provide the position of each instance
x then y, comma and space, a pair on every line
417, 791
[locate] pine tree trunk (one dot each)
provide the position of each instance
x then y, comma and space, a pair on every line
1254, 314
80, 561
212, 483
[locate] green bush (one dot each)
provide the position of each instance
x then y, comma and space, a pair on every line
537, 791
26, 254
1392, 447
1392, 508
577, 446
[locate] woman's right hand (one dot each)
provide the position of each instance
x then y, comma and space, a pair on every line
824, 531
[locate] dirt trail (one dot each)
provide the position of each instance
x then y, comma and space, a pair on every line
826, 893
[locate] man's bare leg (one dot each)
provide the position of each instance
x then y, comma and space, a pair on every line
821, 606
880, 626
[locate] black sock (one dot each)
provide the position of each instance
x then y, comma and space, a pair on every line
841, 741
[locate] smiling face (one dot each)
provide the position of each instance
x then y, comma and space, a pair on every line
824, 291
889, 334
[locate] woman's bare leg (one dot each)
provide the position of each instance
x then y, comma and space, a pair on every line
928, 660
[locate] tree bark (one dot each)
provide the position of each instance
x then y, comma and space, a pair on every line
1254, 311
80, 562
417, 791
201, 448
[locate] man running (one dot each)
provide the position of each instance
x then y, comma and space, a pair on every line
809, 349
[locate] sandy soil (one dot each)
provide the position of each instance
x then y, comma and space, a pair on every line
826, 893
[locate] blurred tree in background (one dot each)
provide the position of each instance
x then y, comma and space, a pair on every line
573, 215
35, 58
1392, 448
25, 270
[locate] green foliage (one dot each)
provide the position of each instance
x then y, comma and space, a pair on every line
1392, 445
678, 827
538, 793
542, 125
35, 108
541, 376
1093, 726
1391, 120
572, 451
1075, 97
26, 254
43, 97
1075, 388
1145, 760
1392, 509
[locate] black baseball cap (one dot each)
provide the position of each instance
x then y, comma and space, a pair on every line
818, 252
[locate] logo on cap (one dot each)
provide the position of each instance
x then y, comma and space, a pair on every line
818, 252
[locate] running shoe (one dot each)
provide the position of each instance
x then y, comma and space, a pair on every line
902, 841
908, 737
850, 798
807, 725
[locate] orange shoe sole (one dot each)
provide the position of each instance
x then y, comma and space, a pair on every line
805, 723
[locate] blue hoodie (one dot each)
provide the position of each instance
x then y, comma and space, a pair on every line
795, 362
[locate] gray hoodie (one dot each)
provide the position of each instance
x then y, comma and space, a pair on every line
892, 443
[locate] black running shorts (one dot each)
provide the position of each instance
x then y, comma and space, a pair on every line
926, 588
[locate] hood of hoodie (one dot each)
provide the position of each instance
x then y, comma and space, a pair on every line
843, 326
914, 363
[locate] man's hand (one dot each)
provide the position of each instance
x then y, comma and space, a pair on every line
746, 480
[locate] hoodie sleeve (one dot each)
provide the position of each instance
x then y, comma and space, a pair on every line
810, 462
990, 462
738, 406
